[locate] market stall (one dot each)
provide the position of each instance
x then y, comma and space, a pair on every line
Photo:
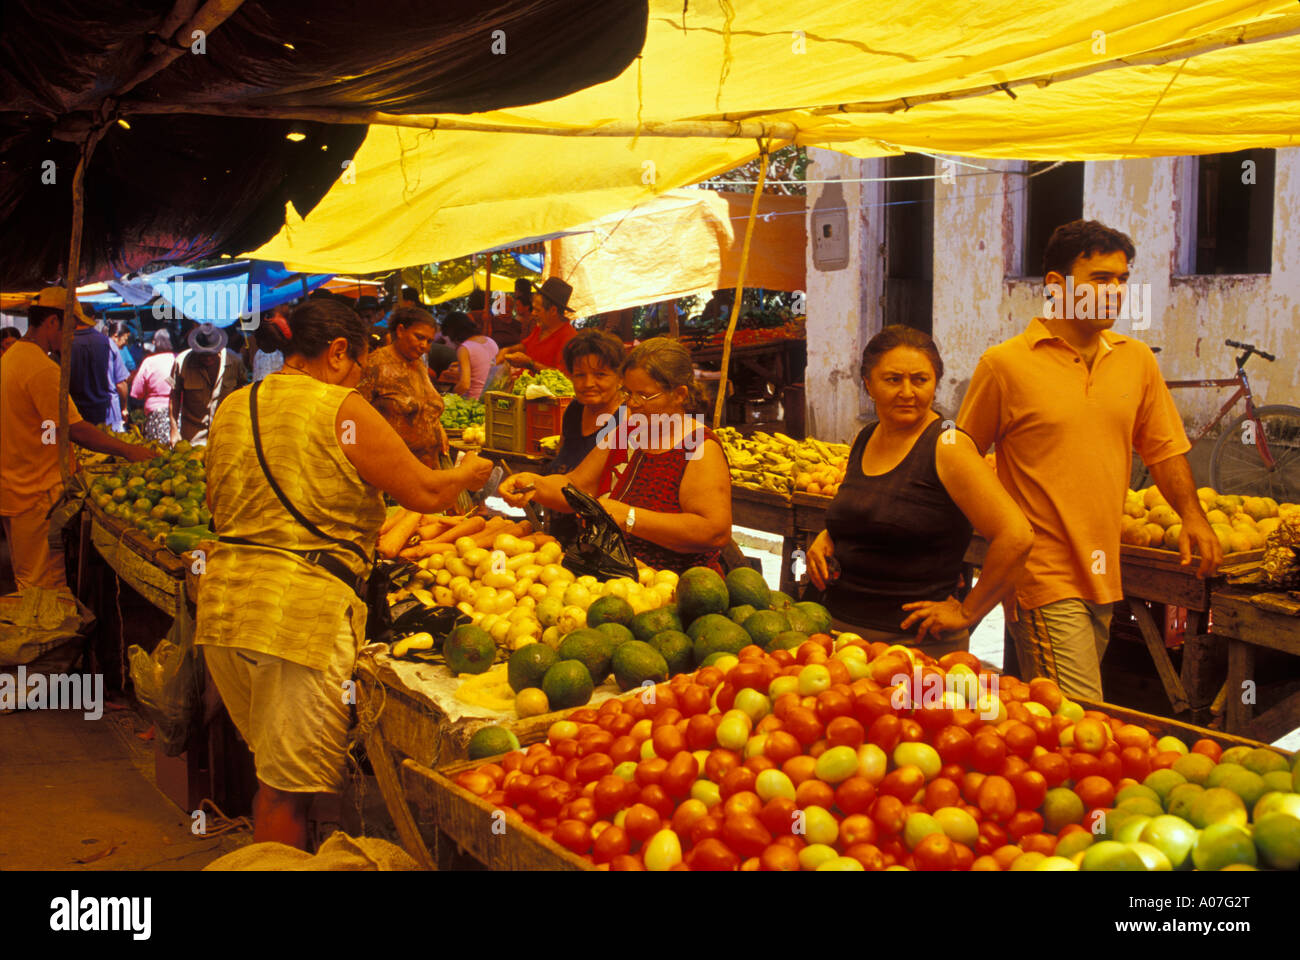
1250, 620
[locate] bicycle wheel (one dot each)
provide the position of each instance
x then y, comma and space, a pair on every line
1236, 466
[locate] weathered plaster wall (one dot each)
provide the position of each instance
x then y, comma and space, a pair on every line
978, 300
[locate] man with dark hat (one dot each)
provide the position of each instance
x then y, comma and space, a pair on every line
544, 346
203, 376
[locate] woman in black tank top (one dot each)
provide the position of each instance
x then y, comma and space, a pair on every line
891, 554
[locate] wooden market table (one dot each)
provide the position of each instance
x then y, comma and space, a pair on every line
1247, 619
498, 841
1157, 576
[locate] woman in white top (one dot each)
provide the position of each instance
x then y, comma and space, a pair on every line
475, 353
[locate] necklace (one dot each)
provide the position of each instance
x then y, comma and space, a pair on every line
293, 368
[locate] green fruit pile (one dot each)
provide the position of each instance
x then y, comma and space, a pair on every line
459, 412
162, 497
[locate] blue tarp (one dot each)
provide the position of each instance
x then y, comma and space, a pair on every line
219, 295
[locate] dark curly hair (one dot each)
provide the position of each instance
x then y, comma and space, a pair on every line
897, 335
1082, 238
318, 323
459, 326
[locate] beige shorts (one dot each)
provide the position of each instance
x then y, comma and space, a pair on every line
294, 719
35, 564
1064, 640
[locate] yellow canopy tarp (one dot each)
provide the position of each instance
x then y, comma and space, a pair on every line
679, 243
476, 281
1032, 79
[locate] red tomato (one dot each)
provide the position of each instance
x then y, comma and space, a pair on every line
1022, 823
594, 766
988, 750
704, 828
1209, 748
1020, 738
668, 742
885, 732
1112, 768
570, 772
642, 822
580, 809
845, 732
889, 814
1031, 789
904, 783
804, 725
953, 744
744, 802
625, 862
598, 742
745, 834
858, 828
814, 793
935, 852
739, 780
855, 795
714, 855
687, 814
612, 792
682, 772
1165, 759
612, 842
832, 704
778, 815
991, 838
573, 835
933, 718
1043, 843
551, 798
780, 746
1135, 762
1054, 768
656, 797
1095, 791
1012, 767
970, 786
997, 798
799, 769
779, 858
941, 792
1083, 765
650, 771
553, 765
700, 732
621, 724
870, 705
909, 731
964, 856
725, 698
719, 763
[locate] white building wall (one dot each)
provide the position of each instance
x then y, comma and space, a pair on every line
979, 301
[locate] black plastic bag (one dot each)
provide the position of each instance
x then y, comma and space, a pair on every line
599, 549
385, 576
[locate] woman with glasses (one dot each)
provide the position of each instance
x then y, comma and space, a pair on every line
670, 487
297, 465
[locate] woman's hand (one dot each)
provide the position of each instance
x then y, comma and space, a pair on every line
936, 619
518, 360
474, 471
616, 509
510, 490
820, 555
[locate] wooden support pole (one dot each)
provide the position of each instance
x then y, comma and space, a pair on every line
720, 403
70, 303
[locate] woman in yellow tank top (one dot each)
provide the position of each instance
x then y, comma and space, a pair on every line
280, 630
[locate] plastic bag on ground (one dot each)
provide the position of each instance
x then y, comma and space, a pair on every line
169, 684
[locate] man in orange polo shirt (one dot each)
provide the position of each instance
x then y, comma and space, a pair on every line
1065, 402
544, 347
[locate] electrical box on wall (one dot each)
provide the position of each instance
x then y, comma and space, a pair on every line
830, 230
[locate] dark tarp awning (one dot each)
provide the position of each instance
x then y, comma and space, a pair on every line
178, 187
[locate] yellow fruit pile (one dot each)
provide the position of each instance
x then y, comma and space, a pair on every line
520, 595
781, 464
1240, 523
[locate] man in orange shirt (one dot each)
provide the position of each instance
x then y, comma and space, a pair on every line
544, 347
30, 481
1065, 402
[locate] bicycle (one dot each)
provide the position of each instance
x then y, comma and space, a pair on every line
1260, 460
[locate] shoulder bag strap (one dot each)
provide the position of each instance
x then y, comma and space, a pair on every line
275, 487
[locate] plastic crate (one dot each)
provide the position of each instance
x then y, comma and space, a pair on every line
503, 420
543, 418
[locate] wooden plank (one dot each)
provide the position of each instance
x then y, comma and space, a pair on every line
762, 510
1241, 670
1202, 671
1167, 726
395, 798
1154, 638
1171, 559
1235, 616
1277, 721
495, 837
1160, 584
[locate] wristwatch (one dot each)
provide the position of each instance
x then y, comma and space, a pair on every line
631, 519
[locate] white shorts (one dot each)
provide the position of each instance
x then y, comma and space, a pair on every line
294, 719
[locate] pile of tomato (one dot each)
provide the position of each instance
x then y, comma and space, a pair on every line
709, 772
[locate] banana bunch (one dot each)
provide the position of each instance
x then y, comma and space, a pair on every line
490, 690
774, 461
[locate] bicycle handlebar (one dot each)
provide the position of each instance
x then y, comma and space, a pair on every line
1250, 348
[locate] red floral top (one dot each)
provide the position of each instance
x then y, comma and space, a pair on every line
654, 482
